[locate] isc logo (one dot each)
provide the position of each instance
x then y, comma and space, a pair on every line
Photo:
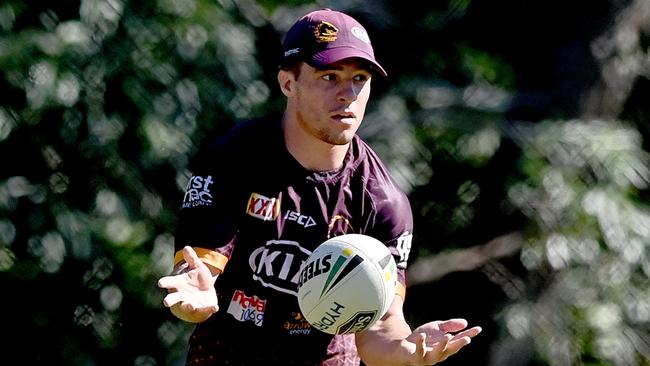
304, 220
262, 207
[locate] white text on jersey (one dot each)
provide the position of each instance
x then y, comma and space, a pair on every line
197, 192
304, 220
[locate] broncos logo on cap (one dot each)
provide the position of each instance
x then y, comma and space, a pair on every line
325, 32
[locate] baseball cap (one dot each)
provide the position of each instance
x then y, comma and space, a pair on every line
326, 36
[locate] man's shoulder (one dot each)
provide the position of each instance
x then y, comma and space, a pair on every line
391, 208
379, 181
244, 135
263, 128
247, 138
367, 160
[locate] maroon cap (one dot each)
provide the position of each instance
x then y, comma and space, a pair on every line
326, 36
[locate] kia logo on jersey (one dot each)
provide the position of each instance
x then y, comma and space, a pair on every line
277, 265
262, 207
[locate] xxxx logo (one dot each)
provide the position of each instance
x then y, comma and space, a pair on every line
343, 265
262, 207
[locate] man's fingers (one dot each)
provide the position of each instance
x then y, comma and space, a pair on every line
211, 308
168, 282
420, 345
191, 257
456, 344
453, 325
461, 340
172, 299
471, 332
175, 299
437, 351
431, 347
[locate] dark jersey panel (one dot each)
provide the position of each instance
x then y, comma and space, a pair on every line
250, 200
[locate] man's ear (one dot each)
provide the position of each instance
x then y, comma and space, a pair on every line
286, 79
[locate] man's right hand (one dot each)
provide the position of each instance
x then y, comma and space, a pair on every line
192, 296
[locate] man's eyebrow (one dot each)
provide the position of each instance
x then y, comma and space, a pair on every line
361, 67
329, 68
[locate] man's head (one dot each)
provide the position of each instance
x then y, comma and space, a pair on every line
324, 37
325, 75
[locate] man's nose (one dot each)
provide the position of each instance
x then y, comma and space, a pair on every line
348, 92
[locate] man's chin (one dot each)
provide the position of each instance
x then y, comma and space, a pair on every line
340, 141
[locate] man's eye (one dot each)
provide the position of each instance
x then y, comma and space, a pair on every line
328, 77
361, 77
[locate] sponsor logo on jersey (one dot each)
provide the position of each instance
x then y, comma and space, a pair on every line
197, 192
343, 265
304, 220
338, 225
357, 323
277, 265
404, 248
330, 317
297, 324
247, 308
262, 207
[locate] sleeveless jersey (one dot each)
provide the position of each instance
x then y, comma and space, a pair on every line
253, 211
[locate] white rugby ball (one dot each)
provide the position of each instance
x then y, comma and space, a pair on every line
347, 284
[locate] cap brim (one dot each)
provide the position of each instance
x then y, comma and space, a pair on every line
332, 55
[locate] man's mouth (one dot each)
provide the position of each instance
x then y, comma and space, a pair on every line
344, 115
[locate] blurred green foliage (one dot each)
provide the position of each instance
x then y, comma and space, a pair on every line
495, 118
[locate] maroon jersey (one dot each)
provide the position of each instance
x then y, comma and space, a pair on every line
252, 210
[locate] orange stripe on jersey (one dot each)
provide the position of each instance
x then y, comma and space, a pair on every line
210, 257
400, 290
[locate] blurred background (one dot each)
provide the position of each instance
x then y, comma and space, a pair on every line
519, 128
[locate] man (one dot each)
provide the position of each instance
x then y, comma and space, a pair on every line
269, 192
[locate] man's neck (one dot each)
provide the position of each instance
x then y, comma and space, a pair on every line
312, 153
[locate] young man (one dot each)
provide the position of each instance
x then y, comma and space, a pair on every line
269, 192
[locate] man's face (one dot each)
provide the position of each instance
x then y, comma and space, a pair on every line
330, 102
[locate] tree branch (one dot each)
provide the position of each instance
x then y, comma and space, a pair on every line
431, 268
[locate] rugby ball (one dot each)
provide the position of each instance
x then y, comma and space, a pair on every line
347, 283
